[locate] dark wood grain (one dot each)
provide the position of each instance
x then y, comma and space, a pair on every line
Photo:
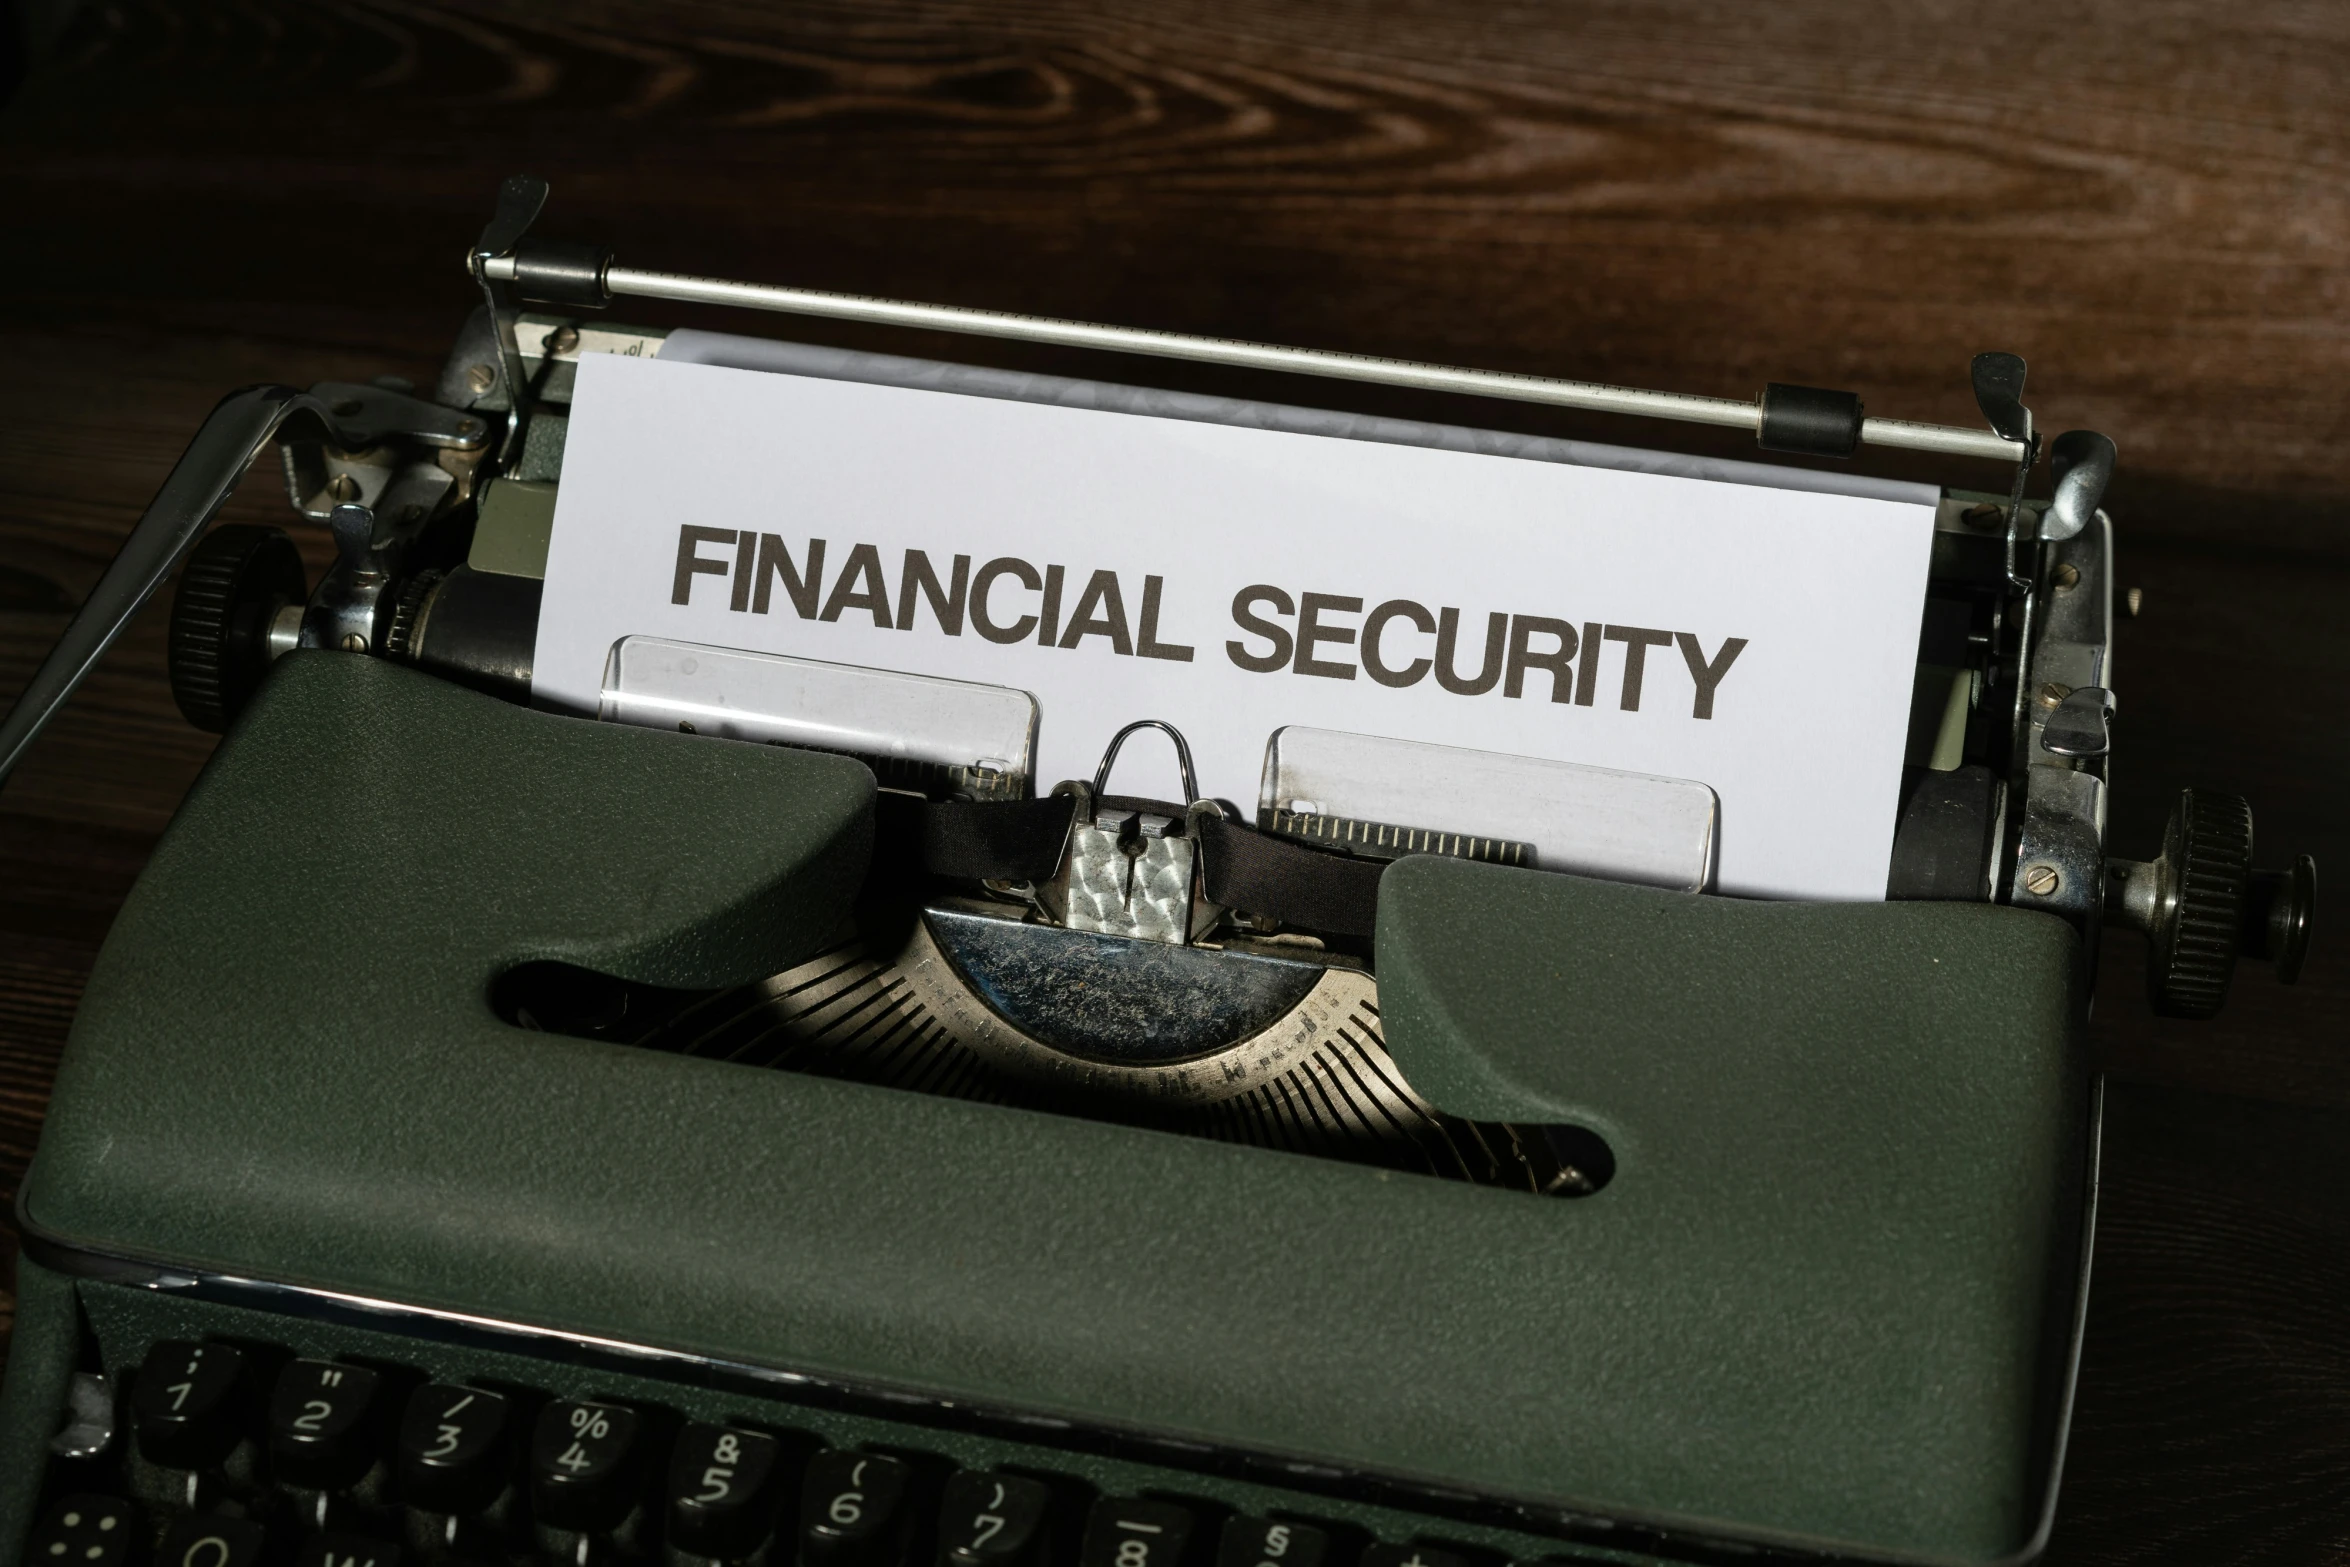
2146, 200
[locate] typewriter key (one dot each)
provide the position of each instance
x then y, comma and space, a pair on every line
188, 1404
722, 1490
1133, 1532
855, 1512
344, 1550
322, 1426
86, 1531
1261, 1542
583, 1464
1379, 1554
210, 1540
453, 1447
988, 1520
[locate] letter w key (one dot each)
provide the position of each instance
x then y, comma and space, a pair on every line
348, 1550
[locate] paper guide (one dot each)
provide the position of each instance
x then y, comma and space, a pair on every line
1234, 580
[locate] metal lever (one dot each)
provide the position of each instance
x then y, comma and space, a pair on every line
199, 485
2077, 727
519, 201
2081, 461
1999, 393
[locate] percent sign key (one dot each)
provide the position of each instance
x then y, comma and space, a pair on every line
583, 1464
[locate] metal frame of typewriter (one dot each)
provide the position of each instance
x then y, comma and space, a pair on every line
385, 469
2033, 581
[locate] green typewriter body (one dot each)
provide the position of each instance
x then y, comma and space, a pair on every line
1826, 1299
498, 1137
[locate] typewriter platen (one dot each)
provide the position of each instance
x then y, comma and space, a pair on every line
983, 1000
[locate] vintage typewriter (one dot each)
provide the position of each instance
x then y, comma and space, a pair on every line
492, 1136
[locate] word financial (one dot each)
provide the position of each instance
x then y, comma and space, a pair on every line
1302, 635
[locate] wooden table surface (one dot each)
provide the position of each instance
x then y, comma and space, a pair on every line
2149, 201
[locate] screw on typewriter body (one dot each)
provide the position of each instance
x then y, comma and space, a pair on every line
2065, 577
2053, 694
481, 378
2042, 880
562, 340
1985, 516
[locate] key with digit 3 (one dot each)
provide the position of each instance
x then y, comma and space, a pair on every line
454, 1443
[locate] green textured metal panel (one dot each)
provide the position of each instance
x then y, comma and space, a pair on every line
1800, 1313
1849, 1142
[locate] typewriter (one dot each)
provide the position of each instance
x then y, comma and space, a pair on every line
764, 1122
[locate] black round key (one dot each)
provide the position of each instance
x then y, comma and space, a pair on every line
583, 1464
209, 1540
346, 1550
85, 1531
1261, 1542
322, 1423
453, 1446
189, 1404
853, 1511
722, 1490
1134, 1531
1380, 1554
987, 1520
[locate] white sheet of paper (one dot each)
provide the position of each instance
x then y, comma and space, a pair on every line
668, 465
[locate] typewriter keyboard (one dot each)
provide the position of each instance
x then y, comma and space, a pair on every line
204, 1434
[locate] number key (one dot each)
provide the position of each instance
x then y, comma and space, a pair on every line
322, 1429
853, 1511
989, 1520
209, 1540
188, 1404
583, 1464
722, 1489
453, 1447
85, 1531
1134, 1532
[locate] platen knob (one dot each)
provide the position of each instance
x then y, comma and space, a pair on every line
2207, 862
231, 589
2202, 906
